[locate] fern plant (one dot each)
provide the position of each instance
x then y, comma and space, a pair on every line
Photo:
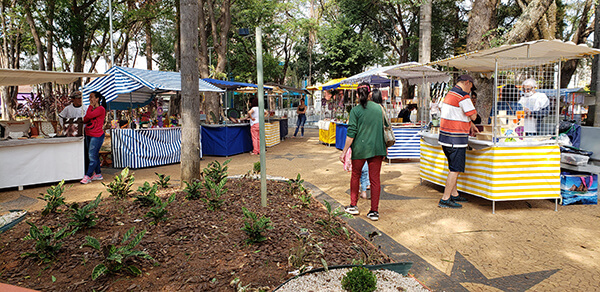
255, 227
84, 217
148, 196
47, 242
54, 198
216, 172
330, 223
213, 194
159, 211
115, 259
192, 189
163, 180
120, 187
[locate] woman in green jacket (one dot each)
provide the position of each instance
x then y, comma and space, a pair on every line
365, 136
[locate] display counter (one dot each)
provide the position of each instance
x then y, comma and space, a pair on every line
407, 144
272, 133
226, 140
138, 148
504, 172
37, 161
327, 132
283, 126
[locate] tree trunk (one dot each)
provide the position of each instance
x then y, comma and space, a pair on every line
190, 101
148, 31
579, 37
177, 46
596, 67
527, 21
482, 20
424, 55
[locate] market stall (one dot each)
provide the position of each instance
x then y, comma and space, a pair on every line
504, 163
226, 140
272, 132
341, 129
129, 88
327, 132
33, 158
407, 144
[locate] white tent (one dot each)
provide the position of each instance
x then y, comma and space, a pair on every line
413, 72
518, 55
13, 77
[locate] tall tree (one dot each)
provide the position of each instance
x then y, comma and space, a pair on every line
190, 101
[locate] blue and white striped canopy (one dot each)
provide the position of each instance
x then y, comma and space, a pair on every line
126, 88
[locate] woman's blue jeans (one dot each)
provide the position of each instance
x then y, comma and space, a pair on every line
300, 124
364, 178
93, 146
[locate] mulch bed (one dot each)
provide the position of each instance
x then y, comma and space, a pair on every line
194, 250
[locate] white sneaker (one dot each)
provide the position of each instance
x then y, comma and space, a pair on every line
373, 215
353, 210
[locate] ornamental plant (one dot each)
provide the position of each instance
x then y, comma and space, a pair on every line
54, 198
159, 211
215, 172
192, 189
295, 185
213, 194
359, 279
163, 180
330, 223
147, 196
255, 227
47, 242
84, 217
117, 258
120, 187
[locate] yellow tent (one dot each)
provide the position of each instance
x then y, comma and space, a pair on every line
333, 84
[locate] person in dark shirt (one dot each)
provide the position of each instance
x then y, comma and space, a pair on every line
405, 113
477, 120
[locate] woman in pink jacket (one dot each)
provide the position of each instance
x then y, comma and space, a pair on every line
94, 135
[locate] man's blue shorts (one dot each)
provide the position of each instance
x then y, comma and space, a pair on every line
456, 158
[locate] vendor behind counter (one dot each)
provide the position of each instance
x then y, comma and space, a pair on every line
406, 112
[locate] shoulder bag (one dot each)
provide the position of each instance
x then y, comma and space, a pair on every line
388, 133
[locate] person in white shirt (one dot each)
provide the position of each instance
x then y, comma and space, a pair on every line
74, 110
536, 107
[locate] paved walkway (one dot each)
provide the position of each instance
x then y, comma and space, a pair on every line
525, 246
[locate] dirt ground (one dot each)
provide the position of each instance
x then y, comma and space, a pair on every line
525, 246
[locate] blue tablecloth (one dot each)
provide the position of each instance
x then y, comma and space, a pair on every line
226, 140
137, 148
340, 135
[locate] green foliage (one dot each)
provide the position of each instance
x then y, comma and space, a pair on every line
116, 258
163, 180
148, 196
256, 168
47, 242
214, 193
193, 189
295, 185
54, 198
330, 223
159, 211
306, 248
306, 199
120, 187
359, 279
255, 227
84, 217
216, 172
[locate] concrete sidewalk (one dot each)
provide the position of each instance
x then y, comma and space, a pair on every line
525, 246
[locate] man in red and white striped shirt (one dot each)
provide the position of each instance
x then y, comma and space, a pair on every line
457, 114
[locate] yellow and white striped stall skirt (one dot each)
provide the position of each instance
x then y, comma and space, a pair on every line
499, 173
272, 134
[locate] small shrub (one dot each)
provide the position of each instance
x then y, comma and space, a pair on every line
213, 194
306, 248
47, 242
254, 226
53, 197
359, 279
216, 172
120, 187
306, 199
84, 217
193, 189
330, 223
163, 180
296, 186
158, 212
115, 259
147, 197
256, 168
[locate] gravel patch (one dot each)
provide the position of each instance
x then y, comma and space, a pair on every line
332, 281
